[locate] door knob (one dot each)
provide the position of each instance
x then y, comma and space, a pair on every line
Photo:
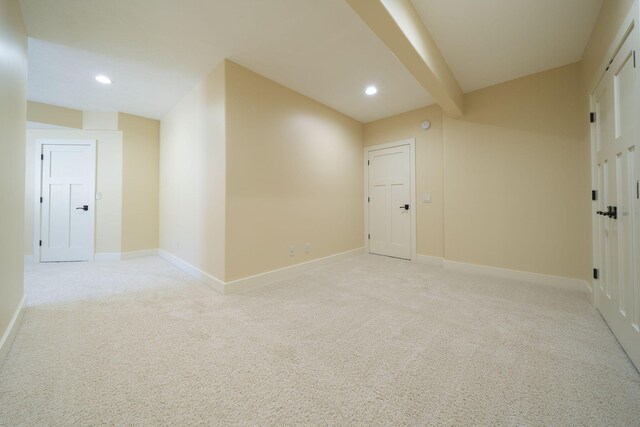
405, 207
612, 212
83, 208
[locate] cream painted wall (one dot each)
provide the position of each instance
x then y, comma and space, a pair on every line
294, 175
54, 115
509, 180
133, 150
140, 176
192, 177
108, 182
99, 120
429, 169
612, 14
13, 117
517, 177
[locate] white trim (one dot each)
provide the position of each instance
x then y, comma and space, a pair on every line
214, 283
113, 256
10, 333
139, 254
565, 283
235, 286
588, 292
258, 280
595, 236
430, 260
411, 142
108, 256
559, 282
37, 173
282, 273
625, 28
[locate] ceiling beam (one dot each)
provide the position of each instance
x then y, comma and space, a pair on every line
398, 25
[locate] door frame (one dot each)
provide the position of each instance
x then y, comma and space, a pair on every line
37, 206
411, 142
630, 22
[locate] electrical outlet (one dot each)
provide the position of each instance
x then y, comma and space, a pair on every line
307, 247
292, 250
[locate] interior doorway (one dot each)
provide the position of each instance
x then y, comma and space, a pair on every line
65, 205
390, 203
615, 110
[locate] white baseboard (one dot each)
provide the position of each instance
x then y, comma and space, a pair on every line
251, 282
282, 273
588, 291
7, 337
213, 282
139, 254
429, 260
525, 276
108, 256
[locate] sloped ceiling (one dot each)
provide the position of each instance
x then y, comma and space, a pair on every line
157, 50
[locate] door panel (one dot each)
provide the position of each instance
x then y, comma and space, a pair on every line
68, 174
624, 82
617, 292
603, 114
602, 230
634, 214
401, 228
379, 217
625, 248
389, 192
59, 212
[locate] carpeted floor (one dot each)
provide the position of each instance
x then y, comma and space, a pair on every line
367, 341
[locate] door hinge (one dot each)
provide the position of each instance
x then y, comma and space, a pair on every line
595, 273
594, 195
40, 199
368, 162
41, 156
40, 242
634, 59
609, 65
592, 117
638, 189
369, 236
369, 199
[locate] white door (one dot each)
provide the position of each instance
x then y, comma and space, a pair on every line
390, 207
68, 176
617, 290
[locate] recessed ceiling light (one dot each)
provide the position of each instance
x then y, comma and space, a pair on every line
103, 79
371, 90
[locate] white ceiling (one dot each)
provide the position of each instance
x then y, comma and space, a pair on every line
157, 50
486, 42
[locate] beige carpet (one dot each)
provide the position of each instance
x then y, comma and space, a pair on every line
367, 341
